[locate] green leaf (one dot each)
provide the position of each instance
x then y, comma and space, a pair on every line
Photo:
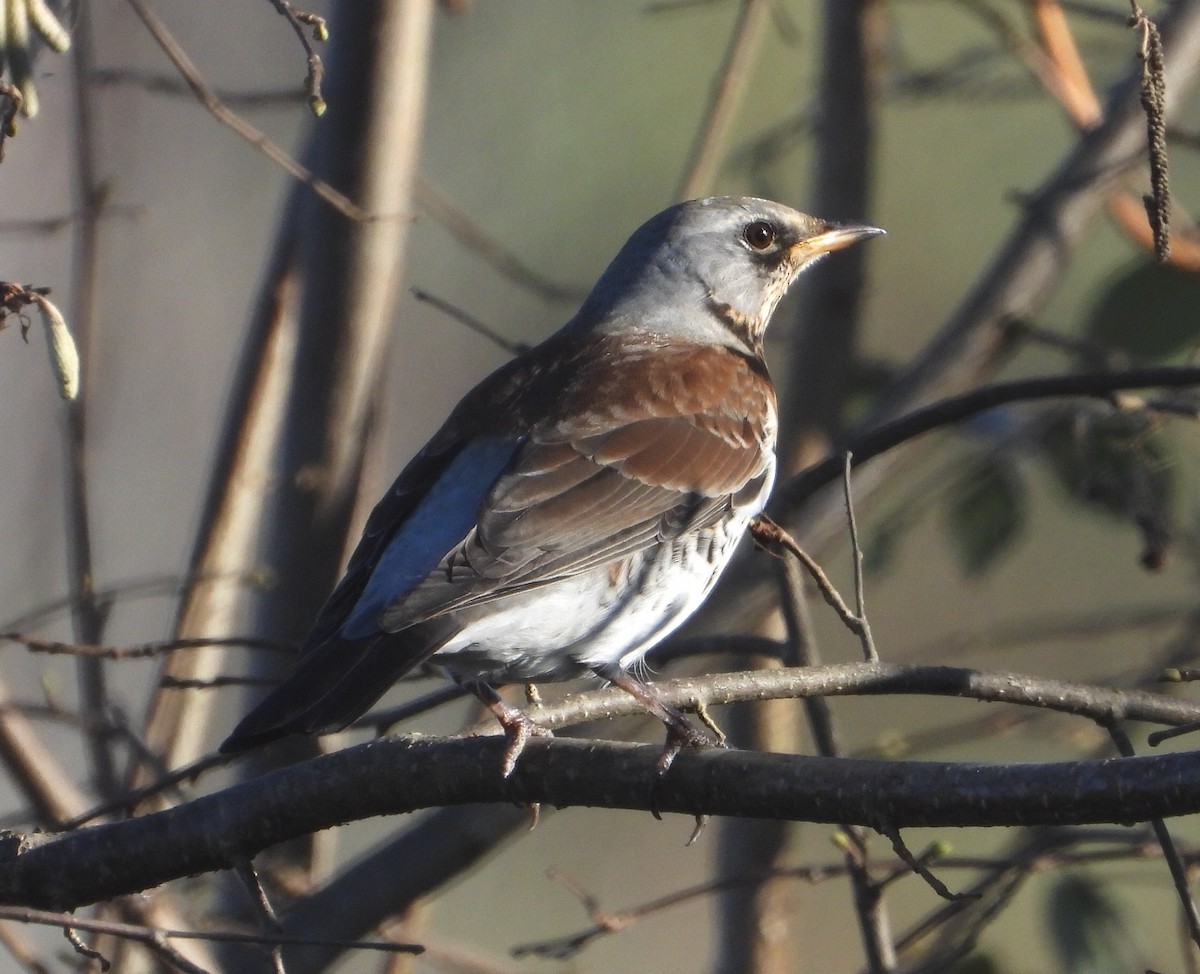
974, 963
881, 545
1087, 929
1150, 312
985, 514
1117, 462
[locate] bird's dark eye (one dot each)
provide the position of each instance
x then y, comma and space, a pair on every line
759, 234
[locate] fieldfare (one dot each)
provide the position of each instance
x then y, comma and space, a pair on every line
580, 502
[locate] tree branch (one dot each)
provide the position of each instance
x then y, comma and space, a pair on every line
850, 679
947, 412
392, 776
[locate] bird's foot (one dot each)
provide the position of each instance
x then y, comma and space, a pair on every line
518, 726
681, 732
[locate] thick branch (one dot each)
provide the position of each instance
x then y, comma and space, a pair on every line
392, 776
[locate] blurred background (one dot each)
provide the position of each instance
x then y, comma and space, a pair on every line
555, 127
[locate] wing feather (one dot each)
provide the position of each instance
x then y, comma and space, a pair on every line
603, 476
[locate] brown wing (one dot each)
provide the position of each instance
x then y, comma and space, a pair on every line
641, 442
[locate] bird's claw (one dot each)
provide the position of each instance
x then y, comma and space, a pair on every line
518, 728
518, 725
680, 736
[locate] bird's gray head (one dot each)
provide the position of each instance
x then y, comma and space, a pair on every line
711, 270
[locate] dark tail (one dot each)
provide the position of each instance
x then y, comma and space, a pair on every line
333, 685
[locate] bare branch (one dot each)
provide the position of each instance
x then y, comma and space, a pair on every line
1166, 843
727, 91
89, 613
917, 864
392, 776
477, 326
147, 934
851, 679
856, 553
469, 234
221, 112
947, 412
766, 533
316, 70
83, 950
53, 647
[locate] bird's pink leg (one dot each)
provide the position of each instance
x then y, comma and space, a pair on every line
518, 725
681, 732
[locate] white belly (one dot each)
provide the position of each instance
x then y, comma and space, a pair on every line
613, 614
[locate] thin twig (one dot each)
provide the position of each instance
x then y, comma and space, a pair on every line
143, 934
1059, 856
149, 587
381, 721
868, 896
316, 70
727, 92
246, 872
471, 322
982, 905
130, 800
53, 647
766, 533
209, 99
467, 231
918, 864
947, 412
143, 754
868, 903
864, 624
83, 949
1158, 737
803, 650
157, 83
88, 612
1166, 843
48, 226
1099, 355
1040, 629
173, 958
610, 922
1183, 136
853, 679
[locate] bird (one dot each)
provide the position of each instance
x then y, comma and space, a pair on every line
579, 504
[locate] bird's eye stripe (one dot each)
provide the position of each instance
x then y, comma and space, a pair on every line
759, 235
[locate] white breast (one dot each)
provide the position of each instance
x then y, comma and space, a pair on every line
613, 614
